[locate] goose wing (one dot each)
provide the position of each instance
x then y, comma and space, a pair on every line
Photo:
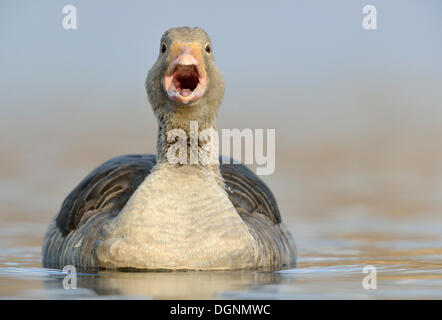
105, 189
257, 207
248, 193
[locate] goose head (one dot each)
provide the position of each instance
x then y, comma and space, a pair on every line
185, 79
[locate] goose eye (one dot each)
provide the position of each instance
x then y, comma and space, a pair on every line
163, 48
208, 48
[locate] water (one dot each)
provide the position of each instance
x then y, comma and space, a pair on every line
332, 255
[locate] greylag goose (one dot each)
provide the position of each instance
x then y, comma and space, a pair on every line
145, 212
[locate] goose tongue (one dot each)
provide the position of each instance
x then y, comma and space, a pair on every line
185, 92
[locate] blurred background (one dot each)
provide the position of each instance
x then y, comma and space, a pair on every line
357, 113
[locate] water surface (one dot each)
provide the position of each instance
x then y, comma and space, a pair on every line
332, 255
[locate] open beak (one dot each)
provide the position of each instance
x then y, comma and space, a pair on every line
185, 79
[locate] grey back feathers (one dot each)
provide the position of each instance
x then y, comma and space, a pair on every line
108, 187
